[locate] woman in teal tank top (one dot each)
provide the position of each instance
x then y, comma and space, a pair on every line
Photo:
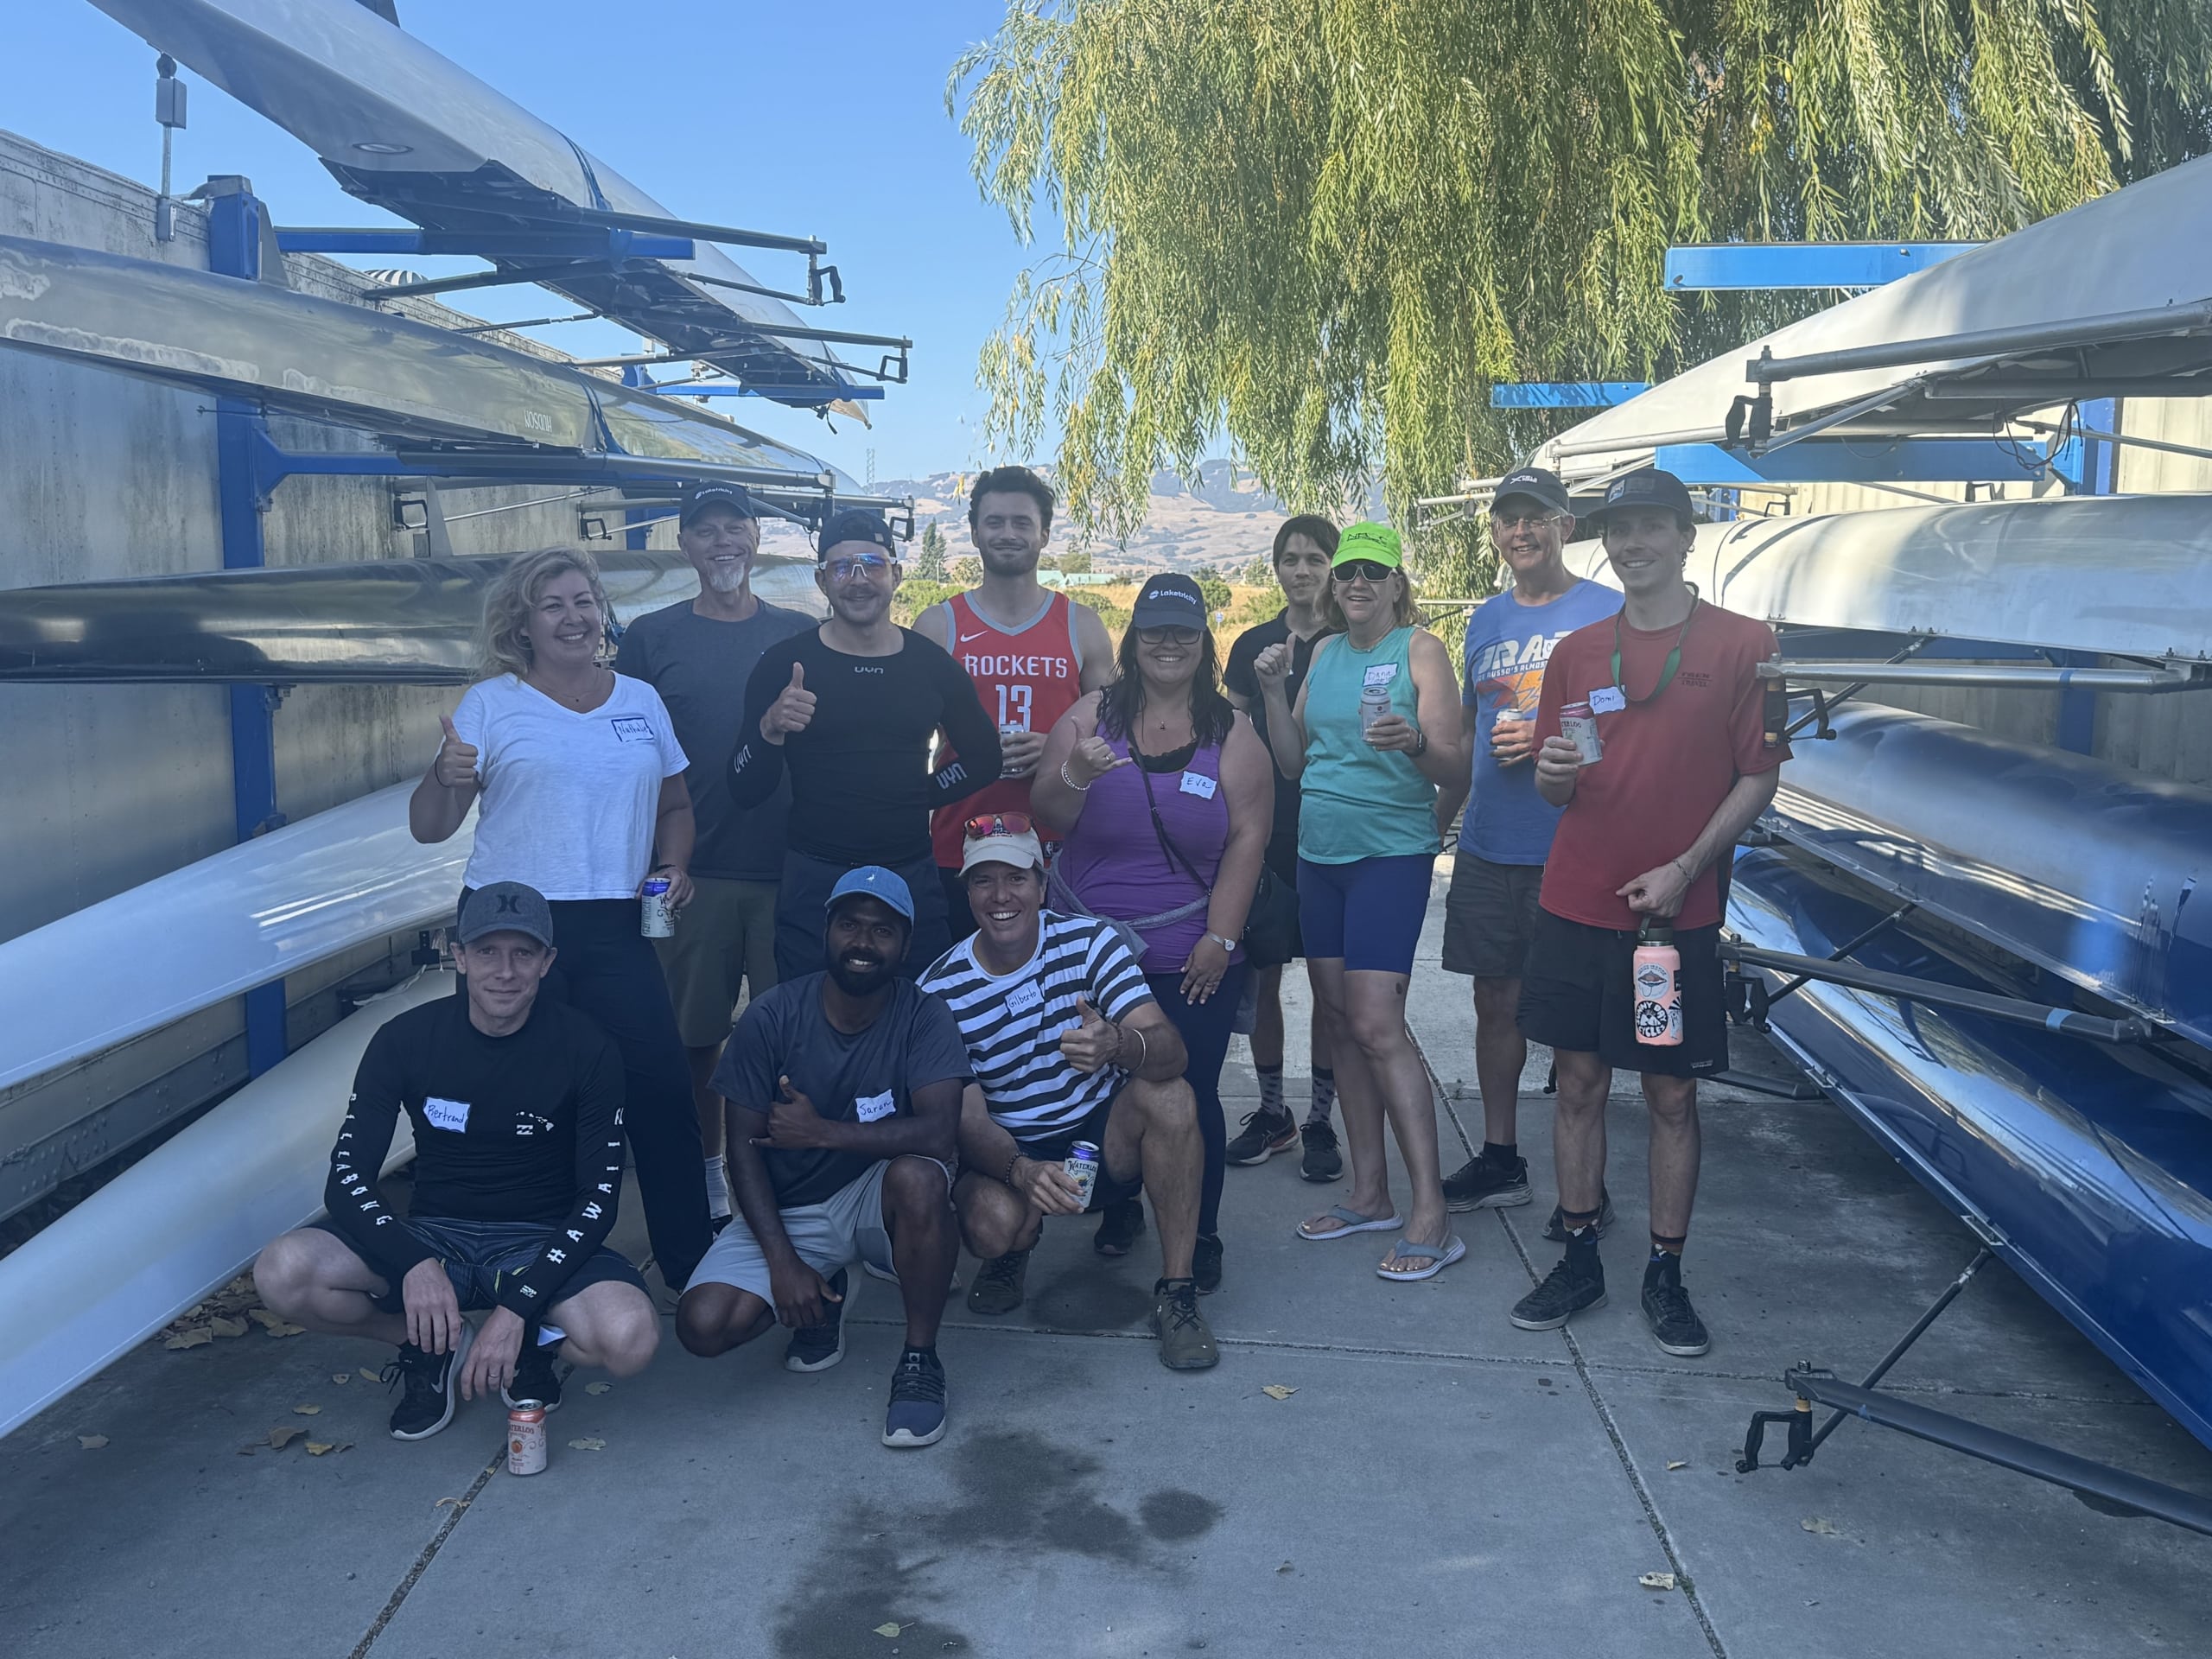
1376, 730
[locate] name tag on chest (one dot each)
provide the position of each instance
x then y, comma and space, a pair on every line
1607, 700
1198, 783
869, 1108
1382, 673
1025, 998
447, 1114
632, 728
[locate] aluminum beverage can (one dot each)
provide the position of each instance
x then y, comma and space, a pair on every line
526, 1438
1083, 1168
1374, 703
658, 921
1579, 725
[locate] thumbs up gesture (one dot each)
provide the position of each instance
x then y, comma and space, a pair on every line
793, 1123
1092, 1043
455, 767
791, 711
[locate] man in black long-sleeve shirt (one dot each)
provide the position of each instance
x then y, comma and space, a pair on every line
848, 711
517, 1109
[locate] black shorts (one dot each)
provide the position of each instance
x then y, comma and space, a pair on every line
1282, 860
1489, 916
1575, 994
475, 1253
1053, 1146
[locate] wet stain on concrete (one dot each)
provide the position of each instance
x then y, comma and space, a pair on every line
1092, 1296
1174, 1514
848, 1591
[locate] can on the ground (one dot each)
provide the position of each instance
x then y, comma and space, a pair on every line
1083, 1168
659, 921
526, 1438
1577, 724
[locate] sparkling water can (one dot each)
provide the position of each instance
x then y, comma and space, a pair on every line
526, 1438
1374, 703
659, 921
1083, 1168
1577, 724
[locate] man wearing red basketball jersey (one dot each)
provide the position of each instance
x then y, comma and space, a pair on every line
1031, 651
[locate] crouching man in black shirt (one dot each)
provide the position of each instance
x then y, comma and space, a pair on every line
517, 1108
843, 1091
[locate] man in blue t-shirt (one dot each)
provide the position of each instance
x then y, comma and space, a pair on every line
1492, 908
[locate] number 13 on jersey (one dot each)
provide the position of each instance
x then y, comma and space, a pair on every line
1014, 706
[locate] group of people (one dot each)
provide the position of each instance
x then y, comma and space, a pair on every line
994, 891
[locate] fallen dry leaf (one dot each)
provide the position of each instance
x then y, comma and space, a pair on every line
443, 1502
597, 1387
1655, 1580
316, 1449
588, 1445
198, 1336
285, 1329
1276, 1391
281, 1438
223, 1326
92, 1442
306, 1411
1285, 1567
1817, 1524
247, 1451
274, 1323
1678, 1464
341, 1377
887, 1628
369, 1376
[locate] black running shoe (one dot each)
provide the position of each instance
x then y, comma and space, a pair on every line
1205, 1263
1675, 1324
916, 1414
536, 1377
1479, 1184
818, 1347
998, 1284
1322, 1162
1121, 1227
1576, 1284
1555, 1229
1264, 1134
430, 1386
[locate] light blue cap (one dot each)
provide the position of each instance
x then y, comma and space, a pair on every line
877, 883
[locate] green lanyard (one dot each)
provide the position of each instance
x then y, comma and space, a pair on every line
1674, 656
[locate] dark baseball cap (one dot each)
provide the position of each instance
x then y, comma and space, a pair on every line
697, 498
506, 907
1645, 487
1538, 486
857, 525
1169, 601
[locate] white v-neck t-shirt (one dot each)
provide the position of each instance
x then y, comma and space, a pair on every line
568, 799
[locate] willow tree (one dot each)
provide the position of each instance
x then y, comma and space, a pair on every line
1323, 228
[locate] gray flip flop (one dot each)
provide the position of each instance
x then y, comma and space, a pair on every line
1353, 1223
1439, 1256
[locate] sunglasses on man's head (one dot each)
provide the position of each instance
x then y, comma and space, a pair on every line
1169, 636
845, 568
999, 823
1369, 570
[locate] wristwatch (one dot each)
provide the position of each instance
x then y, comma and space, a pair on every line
1226, 944
1421, 743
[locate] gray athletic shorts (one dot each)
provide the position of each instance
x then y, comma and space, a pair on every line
844, 1228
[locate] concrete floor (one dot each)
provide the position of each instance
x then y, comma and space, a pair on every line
1439, 1483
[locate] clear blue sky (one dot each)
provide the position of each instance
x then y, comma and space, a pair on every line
820, 120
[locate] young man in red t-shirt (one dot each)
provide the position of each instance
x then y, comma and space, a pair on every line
1673, 682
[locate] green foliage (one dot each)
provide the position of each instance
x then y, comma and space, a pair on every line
1211, 588
915, 595
930, 559
1323, 228
1076, 562
967, 571
1261, 573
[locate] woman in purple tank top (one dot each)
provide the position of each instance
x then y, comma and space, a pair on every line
1164, 796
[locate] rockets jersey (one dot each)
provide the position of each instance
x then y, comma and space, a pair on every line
1028, 677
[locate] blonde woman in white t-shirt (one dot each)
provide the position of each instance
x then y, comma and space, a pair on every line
578, 782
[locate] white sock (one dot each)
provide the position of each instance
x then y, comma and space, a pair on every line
717, 1188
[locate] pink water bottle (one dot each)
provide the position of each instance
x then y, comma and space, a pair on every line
1658, 976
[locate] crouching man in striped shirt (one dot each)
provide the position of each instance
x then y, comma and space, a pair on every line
1067, 1044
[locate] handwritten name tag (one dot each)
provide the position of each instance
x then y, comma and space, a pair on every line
1198, 783
869, 1108
1607, 700
447, 1114
1024, 998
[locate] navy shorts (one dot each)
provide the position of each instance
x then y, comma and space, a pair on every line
475, 1255
1054, 1145
1368, 912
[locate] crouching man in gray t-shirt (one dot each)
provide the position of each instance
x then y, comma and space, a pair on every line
843, 1091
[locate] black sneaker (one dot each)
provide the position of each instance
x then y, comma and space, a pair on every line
998, 1284
1187, 1341
916, 1414
430, 1386
1555, 1229
818, 1347
1322, 1162
1479, 1184
1264, 1134
1205, 1263
1121, 1227
536, 1377
1675, 1324
1576, 1284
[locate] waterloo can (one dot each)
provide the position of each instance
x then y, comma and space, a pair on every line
1577, 724
526, 1438
659, 921
1083, 1168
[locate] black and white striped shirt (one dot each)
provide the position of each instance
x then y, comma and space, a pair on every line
1012, 1023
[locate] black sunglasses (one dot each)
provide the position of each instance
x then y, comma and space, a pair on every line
1369, 570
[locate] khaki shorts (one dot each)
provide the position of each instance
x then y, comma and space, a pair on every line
725, 940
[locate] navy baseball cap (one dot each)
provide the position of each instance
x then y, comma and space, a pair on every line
1169, 601
1538, 486
856, 524
874, 881
1646, 487
697, 498
506, 907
